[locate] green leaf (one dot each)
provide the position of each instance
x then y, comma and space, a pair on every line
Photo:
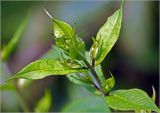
9, 48
7, 86
83, 80
46, 67
45, 103
63, 33
133, 99
109, 83
61, 29
100, 74
87, 104
77, 48
108, 35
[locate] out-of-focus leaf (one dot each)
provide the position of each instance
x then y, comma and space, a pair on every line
53, 53
109, 83
132, 99
46, 67
87, 104
7, 86
44, 104
9, 48
108, 35
77, 48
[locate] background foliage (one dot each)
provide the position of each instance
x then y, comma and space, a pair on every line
133, 60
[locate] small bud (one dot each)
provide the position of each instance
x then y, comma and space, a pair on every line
94, 51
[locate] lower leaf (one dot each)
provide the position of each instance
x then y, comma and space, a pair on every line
133, 99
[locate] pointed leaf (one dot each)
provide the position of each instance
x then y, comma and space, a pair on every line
9, 48
133, 99
46, 67
63, 34
108, 35
62, 29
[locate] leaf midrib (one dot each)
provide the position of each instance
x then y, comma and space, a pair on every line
130, 102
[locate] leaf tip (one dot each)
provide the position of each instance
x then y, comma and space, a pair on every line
47, 13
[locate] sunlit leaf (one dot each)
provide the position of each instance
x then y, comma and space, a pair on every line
10, 47
61, 29
132, 99
108, 35
45, 102
87, 104
46, 67
63, 34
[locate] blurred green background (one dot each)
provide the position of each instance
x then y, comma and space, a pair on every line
133, 60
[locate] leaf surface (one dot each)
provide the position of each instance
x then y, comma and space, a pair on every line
77, 48
133, 99
46, 67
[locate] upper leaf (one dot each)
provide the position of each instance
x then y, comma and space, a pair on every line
42, 68
133, 99
9, 48
63, 33
62, 29
108, 35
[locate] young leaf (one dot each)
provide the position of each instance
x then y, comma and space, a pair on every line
63, 33
9, 48
133, 99
45, 103
108, 35
77, 48
46, 67
61, 29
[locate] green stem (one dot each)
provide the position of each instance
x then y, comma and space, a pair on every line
95, 77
